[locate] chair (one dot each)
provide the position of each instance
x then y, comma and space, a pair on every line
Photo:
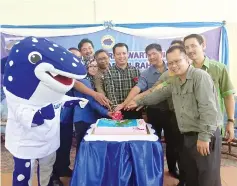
2, 129
233, 143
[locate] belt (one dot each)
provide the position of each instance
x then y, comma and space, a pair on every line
190, 133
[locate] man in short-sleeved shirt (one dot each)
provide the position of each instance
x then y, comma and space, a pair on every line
194, 46
220, 78
149, 77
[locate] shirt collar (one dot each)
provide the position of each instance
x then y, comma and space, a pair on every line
189, 72
205, 65
102, 71
206, 62
154, 70
121, 68
188, 75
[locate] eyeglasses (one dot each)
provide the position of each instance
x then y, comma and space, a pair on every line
176, 62
102, 59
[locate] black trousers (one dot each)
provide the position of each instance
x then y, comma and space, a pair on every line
81, 128
176, 139
62, 163
161, 120
202, 170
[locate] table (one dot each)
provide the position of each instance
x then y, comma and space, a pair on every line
127, 163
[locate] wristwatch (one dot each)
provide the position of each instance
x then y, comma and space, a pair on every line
231, 120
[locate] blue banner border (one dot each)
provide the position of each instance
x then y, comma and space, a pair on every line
224, 47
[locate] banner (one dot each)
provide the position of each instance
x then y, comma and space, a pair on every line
107, 38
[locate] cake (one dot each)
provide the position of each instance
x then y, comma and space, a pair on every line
120, 127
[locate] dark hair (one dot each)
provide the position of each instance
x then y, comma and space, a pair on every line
73, 48
181, 43
198, 37
175, 47
100, 51
83, 41
119, 45
155, 46
90, 60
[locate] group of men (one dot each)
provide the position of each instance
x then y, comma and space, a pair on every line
185, 97
195, 92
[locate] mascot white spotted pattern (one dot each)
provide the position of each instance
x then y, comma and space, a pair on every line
37, 75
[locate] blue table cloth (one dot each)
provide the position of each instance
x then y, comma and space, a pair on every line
130, 163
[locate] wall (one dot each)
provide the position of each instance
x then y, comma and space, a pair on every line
28, 12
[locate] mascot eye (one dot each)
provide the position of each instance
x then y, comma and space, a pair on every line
34, 57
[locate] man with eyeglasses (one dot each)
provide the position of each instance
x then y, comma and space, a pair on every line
197, 111
103, 62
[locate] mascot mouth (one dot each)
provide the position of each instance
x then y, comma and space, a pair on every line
62, 79
55, 78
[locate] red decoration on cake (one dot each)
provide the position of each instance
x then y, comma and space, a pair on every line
117, 115
135, 79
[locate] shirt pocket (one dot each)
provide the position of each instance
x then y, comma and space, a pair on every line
188, 102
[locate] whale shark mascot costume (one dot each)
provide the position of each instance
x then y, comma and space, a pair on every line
37, 75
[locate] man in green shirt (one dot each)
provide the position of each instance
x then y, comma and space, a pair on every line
195, 46
197, 111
